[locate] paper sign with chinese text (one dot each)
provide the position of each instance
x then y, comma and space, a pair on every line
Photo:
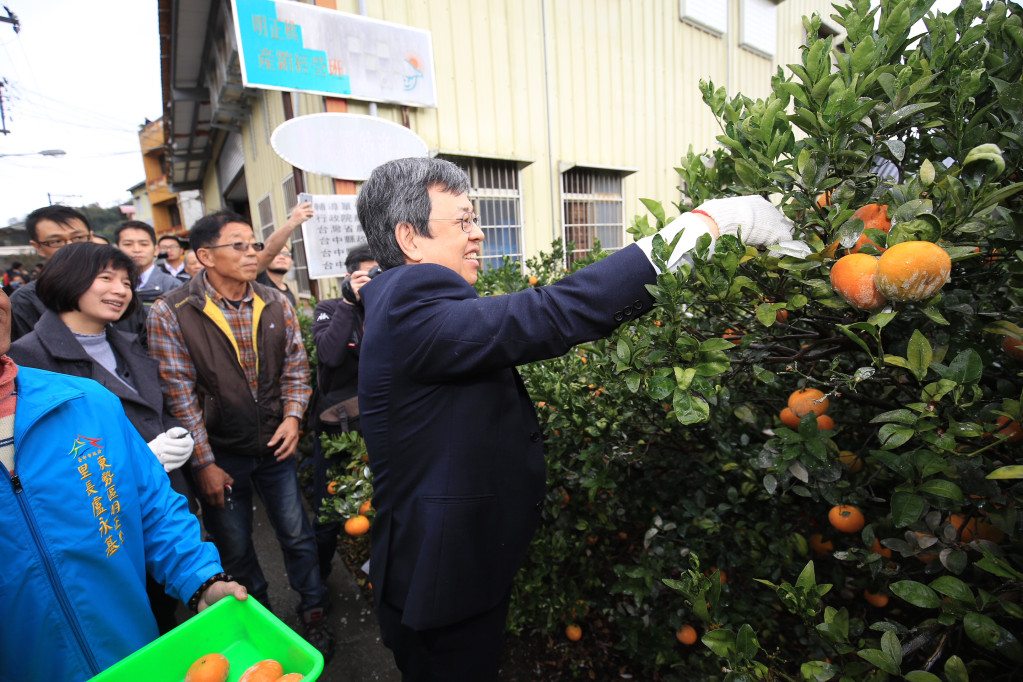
330, 234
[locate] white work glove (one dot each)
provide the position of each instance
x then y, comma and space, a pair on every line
760, 222
172, 447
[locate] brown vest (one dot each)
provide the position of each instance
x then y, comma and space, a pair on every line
234, 421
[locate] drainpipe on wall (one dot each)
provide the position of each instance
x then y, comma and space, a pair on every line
555, 186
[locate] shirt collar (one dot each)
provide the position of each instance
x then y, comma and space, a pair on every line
218, 298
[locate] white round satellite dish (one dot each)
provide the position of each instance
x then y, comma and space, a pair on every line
345, 146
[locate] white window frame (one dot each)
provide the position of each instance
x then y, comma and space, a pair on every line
299, 263
593, 202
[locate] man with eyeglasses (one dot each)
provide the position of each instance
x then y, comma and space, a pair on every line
234, 372
454, 442
49, 229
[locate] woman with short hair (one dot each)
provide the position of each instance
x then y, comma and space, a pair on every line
86, 288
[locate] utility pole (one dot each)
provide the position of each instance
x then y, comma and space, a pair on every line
11, 19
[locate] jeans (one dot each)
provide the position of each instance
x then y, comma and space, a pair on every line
276, 483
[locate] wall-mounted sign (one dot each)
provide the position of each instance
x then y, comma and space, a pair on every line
330, 234
287, 45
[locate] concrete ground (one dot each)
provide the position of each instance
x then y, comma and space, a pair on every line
359, 656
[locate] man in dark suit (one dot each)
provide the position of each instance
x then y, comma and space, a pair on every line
453, 438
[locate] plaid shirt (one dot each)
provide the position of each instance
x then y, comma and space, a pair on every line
178, 377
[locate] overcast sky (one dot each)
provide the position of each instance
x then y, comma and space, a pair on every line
82, 77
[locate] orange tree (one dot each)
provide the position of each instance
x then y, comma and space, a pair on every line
668, 466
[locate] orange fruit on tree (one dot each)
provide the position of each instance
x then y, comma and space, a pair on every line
825, 423
851, 460
912, 271
264, 671
824, 199
1010, 429
735, 336
853, 277
333, 488
968, 530
357, 525
807, 400
687, 635
879, 600
874, 217
533, 279
789, 418
820, 545
366, 506
878, 548
574, 633
846, 518
209, 668
1013, 348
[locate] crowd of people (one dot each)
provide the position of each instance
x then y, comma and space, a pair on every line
143, 394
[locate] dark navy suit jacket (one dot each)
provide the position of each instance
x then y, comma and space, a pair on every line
453, 438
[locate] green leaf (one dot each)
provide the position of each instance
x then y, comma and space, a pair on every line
953, 587
966, 368
894, 435
992, 636
1010, 471
905, 112
632, 381
892, 647
879, 659
916, 594
955, 670
998, 566
922, 676
660, 387
906, 508
716, 343
941, 488
656, 209
720, 641
919, 354
807, 580
746, 642
689, 408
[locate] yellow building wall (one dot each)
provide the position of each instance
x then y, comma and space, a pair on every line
608, 83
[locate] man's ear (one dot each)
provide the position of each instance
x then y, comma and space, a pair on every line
408, 242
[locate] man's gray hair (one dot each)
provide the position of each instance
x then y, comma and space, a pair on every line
398, 192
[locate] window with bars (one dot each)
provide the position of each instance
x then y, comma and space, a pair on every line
593, 208
266, 217
495, 191
300, 266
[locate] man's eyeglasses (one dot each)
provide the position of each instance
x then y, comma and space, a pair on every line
60, 241
240, 246
467, 221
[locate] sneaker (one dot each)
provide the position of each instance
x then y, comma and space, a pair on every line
318, 633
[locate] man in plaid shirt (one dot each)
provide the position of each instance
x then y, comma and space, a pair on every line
234, 371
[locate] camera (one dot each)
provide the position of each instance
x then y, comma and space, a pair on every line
346, 286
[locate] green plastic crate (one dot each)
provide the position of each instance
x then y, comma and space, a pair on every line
243, 631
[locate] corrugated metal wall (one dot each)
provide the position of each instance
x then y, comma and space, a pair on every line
610, 83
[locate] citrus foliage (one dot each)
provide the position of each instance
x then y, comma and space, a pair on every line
664, 442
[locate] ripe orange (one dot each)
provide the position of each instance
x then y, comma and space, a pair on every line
264, 671
209, 668
1011, 430
878, 548
533, 279
789, 418
366, 506
824, 199
820, 545
333, 488
912, 271
851, 460
687, 635
574, 633
807, 400
975, 528
291, 677
1013, 348
733, 335
846, 518
825, 423
853, 277
781, 316
879, 600
357, 525
874, 217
